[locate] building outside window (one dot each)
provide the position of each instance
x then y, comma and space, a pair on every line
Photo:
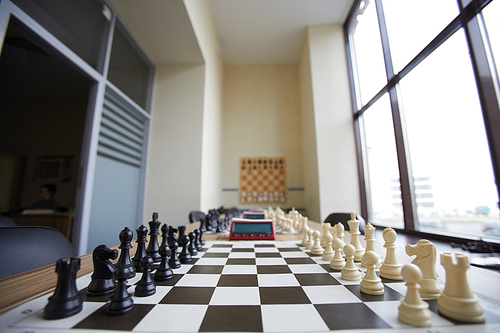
425, 98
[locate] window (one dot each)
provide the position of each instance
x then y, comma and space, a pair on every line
430, 150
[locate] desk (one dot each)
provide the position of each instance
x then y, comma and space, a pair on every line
30, 285
62, 222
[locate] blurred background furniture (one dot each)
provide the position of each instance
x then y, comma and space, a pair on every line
335, 218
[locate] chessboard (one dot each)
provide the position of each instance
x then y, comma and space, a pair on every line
263, 180
245, 287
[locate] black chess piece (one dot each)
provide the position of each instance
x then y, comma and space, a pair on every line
164, 272
171, 235
146, 286
192, 246
66, 300
164, 234
219, 226
142, 233
152, 249
203, 223
185, 256
182, 231
121, 303
124, 260
174, 261
197, 243
200, 238
103, 280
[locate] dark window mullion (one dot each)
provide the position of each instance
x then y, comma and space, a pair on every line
405, 175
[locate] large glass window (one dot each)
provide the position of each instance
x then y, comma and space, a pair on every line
427, 164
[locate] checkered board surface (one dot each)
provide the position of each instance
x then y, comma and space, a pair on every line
245, 286
263, 180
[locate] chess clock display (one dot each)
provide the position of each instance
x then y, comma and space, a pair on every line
247, 229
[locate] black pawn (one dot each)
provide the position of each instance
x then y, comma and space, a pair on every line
121, 303
154, 227
103, 279
185, 256
164, 272
174, 261
142, 234
164, 234
146, 285
197, 243
200, 238
192, 246
66, 301
124, 260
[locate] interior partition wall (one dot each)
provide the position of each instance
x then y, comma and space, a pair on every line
425, 96
112, 172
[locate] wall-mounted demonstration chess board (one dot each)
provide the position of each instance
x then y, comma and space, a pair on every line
263, 180
245, 286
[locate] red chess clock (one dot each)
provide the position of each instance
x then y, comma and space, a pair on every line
245, 229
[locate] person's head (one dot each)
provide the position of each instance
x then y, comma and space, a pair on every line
47, 191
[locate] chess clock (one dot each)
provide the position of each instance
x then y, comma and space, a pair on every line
247, 229
254, 215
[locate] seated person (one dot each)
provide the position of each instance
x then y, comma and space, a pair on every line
46, 194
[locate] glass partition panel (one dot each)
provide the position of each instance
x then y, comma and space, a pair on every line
381, 165
411, 25
368, 59
453, 178
128, 70
82, 25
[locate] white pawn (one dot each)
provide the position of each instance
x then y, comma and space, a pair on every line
329, 252
391, 268
350, 272
354, 231
338, 262
413, 310
310, 239
305, 239
317, 249
371, 283
370, 246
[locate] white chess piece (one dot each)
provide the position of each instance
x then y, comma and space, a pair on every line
310, 240
457, 300
426, 261
317, 249
391, 268
413, 310
371, 283
329, 252
350, 272
338, 262
354, 231
326, 230
370, 244
305, 239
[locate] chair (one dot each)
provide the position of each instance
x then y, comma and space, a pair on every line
6, 221
196, 215
26, 248
335, 218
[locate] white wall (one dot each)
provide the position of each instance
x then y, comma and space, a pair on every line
262, 119
174, 169
333, 121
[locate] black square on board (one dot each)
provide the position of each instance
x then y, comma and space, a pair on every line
267, 255
283, 295
99, 319
238, 280
232, 319
264, 245
170, 282
299, 261
215, 255
222, 245
206, 269
350, 316
242, 249
319, 279
289, 249
273, 269
388, 295
188, 295
240, 261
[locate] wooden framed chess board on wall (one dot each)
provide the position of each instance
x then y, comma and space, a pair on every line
263, 180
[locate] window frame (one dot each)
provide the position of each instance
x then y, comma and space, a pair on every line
469, 18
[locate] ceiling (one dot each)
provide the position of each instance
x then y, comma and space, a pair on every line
249, 31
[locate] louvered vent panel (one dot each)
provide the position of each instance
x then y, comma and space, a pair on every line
122, 133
